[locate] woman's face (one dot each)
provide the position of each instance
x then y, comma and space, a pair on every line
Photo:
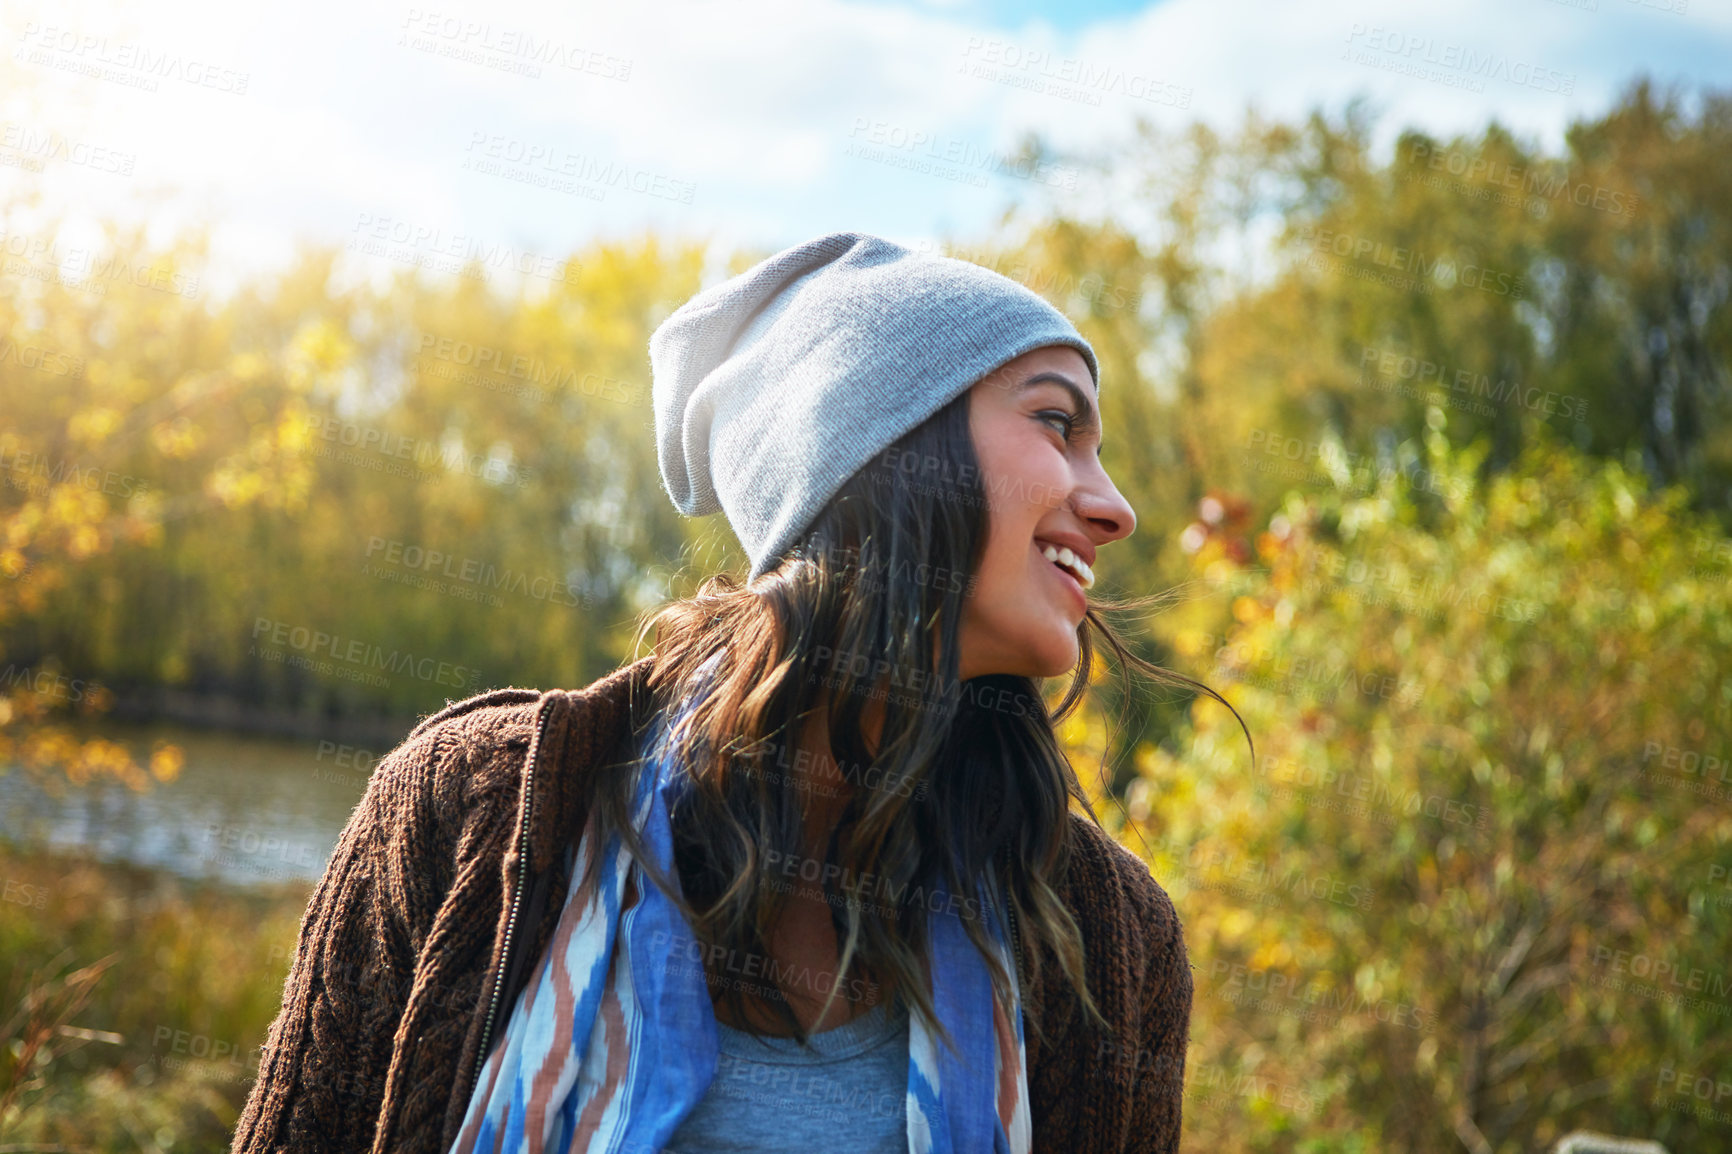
1037, 433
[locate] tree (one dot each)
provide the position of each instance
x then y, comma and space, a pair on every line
1491, 773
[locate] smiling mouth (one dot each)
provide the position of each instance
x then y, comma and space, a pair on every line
1069, 562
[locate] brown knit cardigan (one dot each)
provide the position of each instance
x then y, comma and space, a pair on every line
448, 880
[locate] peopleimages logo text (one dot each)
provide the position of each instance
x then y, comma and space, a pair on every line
360, 655
1472, 62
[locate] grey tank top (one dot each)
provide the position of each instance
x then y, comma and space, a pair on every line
846, 1094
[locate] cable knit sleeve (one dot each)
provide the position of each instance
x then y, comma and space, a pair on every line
347, 986
395, 941
1158, 1065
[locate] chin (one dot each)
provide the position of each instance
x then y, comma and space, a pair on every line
1021, 646
1055, 658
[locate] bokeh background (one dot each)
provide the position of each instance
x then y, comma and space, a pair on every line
324, 400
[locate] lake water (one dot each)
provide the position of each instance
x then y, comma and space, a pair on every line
244, 810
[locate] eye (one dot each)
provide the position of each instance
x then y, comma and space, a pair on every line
1068, 420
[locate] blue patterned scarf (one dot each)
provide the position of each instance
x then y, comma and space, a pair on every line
609, 1046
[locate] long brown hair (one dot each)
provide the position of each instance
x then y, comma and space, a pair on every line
868, 605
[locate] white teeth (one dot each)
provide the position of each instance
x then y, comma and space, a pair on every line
1085, 576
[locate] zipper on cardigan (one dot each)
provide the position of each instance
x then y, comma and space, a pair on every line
517, 896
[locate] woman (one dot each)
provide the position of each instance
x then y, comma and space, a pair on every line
801, 878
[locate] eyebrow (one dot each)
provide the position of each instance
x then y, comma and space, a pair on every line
1089, 421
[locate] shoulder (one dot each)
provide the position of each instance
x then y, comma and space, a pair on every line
1087, 1087
1119, 905
484, 713
507, 719
475, 750
475, 743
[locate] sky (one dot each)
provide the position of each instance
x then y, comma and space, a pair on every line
522, 130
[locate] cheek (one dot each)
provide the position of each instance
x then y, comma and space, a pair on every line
1009, 556
1024, 492
1004, 563
1025, 478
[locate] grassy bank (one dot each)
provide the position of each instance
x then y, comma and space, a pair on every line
133, 1003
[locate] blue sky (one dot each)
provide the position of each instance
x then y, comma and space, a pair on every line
531, 127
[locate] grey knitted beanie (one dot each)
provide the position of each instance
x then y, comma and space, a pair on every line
773, 388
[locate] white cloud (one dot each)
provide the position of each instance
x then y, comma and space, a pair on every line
753, 104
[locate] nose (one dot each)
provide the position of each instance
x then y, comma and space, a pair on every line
1098, 502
